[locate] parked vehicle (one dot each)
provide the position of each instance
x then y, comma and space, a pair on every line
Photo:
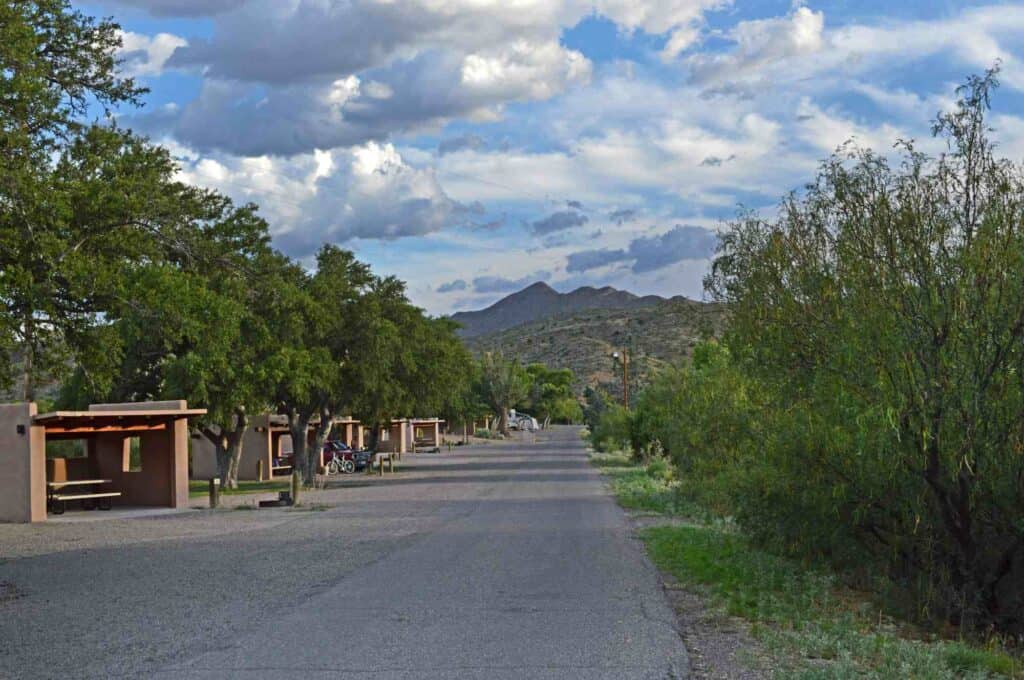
340, 458
523, 422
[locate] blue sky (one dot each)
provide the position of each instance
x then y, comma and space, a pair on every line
473, 146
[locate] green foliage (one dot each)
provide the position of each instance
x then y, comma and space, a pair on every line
885, 311
864, 406
809, 625
64, 186
502, 383
659, 468
636, 488
611, 432
550, 397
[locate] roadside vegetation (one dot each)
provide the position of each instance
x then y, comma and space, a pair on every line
860, 412
812, 623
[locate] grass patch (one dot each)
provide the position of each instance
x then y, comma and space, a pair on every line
198, 488
812, 628
643, 488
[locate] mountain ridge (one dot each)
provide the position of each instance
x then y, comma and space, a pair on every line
539, 301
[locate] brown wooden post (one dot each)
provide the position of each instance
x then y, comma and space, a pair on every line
214, 492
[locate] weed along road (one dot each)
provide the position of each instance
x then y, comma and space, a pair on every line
495, 561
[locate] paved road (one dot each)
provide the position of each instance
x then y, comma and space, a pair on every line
500, 561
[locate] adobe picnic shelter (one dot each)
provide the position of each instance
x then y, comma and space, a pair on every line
157, 430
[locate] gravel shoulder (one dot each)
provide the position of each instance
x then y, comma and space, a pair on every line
720, 646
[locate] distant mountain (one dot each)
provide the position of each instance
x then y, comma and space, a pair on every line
541, 301
580, 331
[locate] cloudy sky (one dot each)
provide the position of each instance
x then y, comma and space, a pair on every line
471, 147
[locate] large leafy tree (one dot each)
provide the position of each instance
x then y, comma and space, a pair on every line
328, 321
551, 395
54, 64
81, 204
885, 311
502, 384
192, 324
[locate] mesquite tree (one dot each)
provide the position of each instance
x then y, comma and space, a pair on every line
503, 384
884, 309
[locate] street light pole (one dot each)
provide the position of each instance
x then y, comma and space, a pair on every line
624, 359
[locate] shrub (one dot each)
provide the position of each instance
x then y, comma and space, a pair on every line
883, 313
659, 468
611, 432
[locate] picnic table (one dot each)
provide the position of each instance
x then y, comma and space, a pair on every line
56, 498
379, 459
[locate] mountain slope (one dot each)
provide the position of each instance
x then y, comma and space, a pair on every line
541, 301
657, 333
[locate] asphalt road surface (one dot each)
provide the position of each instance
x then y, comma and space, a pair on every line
499, 561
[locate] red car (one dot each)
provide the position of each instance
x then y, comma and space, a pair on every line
349, 460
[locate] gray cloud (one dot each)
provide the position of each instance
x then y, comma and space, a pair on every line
575, 205
460, 143
623, 215
760, 45
286, 78
370, 193
272, 43
452, 286
649, 253
677, 244
501, 284
183, 8
586, 260
559, 221
326, 112
489, 225
715, 161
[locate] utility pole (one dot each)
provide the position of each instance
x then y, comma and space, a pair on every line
623, 358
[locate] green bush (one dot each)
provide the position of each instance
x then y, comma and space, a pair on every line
659, 468
864, 407
612, 432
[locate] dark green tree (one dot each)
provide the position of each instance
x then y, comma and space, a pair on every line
884, 309
503, 383
551, 397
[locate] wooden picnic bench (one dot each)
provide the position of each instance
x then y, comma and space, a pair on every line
379, 459
56, 501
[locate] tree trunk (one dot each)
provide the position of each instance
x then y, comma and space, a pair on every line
374, 436
503, 421
298, 425
219, 438
236, 438
323, 431
227, 444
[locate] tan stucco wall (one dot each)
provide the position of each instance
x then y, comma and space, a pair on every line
22, 465
204, 458
398, 439
256, 446
163, 479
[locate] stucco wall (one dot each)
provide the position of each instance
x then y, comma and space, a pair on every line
22, 465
